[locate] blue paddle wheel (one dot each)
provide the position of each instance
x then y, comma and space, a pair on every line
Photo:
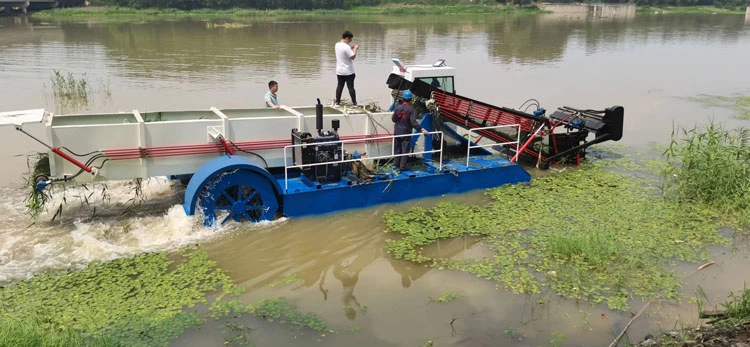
232, 188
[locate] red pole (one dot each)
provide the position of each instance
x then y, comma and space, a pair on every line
226, 146
71, 159
515, 157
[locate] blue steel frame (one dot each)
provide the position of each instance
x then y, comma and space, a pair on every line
304, 199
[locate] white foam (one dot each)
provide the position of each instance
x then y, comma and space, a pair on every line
81, 236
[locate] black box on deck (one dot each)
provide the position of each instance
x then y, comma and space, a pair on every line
318, 153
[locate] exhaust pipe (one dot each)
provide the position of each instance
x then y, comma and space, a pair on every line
319, 116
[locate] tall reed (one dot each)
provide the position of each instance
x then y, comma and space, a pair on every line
74, 94
710, 165
737, 308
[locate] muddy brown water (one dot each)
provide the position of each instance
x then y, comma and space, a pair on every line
649, 64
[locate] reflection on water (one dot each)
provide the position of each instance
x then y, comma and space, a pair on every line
648, 64
191, 64
191, 48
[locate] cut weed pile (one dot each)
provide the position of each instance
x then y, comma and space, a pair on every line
595, 234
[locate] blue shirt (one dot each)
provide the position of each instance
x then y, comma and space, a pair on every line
272, 98
405, 119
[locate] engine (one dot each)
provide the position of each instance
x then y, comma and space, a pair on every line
320, 150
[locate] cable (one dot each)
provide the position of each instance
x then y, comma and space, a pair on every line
571, 109
102, 165
373, 121
76, 154
534, 100
527, 107
66, 178
248, 152
91, 160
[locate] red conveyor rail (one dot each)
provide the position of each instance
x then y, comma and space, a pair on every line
471, 114
210, 148
480, 112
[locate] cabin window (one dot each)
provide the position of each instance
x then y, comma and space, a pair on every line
445, 83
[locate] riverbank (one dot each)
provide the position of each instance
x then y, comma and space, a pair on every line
726, 326
688, 10
112, 12
106, 12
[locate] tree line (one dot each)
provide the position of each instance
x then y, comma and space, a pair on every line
228, 4
346, 4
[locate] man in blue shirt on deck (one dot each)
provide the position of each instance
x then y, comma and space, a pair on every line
270, 97
406, 120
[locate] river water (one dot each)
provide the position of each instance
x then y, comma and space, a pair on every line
650, 64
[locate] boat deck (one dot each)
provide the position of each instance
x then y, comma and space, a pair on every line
305, 197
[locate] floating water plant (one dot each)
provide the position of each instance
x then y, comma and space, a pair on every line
739, 103
285, 281
446, 297
140, 301
146, 300
277, 309
590, 234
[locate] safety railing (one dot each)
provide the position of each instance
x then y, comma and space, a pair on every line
516, 142
341, 154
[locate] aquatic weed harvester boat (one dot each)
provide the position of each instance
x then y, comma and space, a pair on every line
259, 164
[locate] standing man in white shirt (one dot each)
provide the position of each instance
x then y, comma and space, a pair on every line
345, 54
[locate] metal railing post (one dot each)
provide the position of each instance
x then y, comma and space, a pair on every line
342, 160
470, 146
286, 173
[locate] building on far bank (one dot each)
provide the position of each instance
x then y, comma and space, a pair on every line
595, 10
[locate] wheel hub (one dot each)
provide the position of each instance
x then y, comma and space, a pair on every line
239, 207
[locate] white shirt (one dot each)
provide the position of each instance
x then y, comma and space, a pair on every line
344, 63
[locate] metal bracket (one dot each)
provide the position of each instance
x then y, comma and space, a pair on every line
215, 133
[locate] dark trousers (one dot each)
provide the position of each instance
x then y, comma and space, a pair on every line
401, 146
349, 84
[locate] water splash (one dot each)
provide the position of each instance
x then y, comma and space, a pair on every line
99, 229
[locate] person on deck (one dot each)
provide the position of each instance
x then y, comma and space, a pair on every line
405, 120
270, 98
345, 55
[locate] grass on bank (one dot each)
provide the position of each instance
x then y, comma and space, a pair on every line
603, 233
689, 10
112, 13
731, 327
